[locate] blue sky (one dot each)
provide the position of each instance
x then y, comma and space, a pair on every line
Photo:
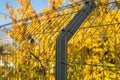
38, 5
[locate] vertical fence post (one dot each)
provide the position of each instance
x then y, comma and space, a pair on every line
64, 37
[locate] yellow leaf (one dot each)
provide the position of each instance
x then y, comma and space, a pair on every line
55, 5
72, 1
60, 1
4, 16
45, 9
7, 5
10, 11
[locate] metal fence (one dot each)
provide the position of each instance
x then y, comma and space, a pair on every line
92, 52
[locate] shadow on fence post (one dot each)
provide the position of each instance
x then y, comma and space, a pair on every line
64, 37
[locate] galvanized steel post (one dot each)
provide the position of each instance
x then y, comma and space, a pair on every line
64, 37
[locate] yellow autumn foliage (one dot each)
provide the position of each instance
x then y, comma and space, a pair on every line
93, 52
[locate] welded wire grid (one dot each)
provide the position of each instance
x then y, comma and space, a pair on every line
93, 52
32, 49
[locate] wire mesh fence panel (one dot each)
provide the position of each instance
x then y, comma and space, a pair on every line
92, 53
33, 45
